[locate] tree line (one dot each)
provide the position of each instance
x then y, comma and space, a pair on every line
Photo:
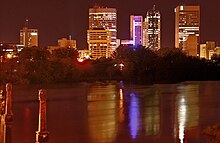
137, 65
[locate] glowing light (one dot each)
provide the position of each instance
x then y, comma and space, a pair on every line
121, 94
33, 33
80, 60
181, 7
9, 56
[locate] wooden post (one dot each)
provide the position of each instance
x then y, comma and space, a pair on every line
8, 106
42, 135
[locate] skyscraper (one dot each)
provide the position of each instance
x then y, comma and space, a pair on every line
152, 29
187, 22
106, 18
28, 37
99, 42
136, 29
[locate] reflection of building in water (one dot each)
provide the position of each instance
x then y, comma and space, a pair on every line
144, 113
187, 110
121, 106
102, 112
152, 114
134, 115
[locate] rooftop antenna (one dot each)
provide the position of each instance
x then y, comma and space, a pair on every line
70, 37
26, 24
154, 7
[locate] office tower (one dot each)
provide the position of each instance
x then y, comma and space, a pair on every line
152, 29
28, 36
100, 17
136, 29
187, 22
99, 42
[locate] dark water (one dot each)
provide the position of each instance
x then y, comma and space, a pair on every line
106, 113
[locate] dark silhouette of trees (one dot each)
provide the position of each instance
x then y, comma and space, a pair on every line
130, 64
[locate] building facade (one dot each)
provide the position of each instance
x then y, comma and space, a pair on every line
152, 29
67, 43
207, 50
187, 22
100, 17
99, 42
29, 37
192, 44
136, 29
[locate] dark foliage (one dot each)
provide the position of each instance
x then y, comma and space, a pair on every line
140, 65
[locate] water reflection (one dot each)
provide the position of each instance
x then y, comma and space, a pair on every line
102, 113
121, 106
182, 118
152, 114
187, 109
134, 115
168, 113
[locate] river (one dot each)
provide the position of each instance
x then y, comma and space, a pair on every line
117, 113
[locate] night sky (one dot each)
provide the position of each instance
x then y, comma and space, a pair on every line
59, 18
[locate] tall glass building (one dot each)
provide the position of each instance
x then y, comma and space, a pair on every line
187, 22
152, 29
100, 17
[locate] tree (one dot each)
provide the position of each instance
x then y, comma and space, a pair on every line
138, 63
34, 65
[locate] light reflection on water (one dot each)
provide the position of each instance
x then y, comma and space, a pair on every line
152, 115
134, 115
187, 109
102, 113
107, 113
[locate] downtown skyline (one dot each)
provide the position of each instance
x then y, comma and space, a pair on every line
58, 19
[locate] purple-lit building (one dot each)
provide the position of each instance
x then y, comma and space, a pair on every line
136, 29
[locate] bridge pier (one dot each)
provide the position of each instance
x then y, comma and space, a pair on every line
8, 116
42, 135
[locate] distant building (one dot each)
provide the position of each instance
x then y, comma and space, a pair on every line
127, 42
203, 51
67, 43
63, 43
208, 50
152, 29
28, 36
100, 17
217, 50
84, 54
136, 29
99, 43
10, 49
187, 22
191, 46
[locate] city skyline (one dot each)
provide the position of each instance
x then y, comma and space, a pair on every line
56, 19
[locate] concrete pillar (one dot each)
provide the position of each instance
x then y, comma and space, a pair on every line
8, 106
42, 135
